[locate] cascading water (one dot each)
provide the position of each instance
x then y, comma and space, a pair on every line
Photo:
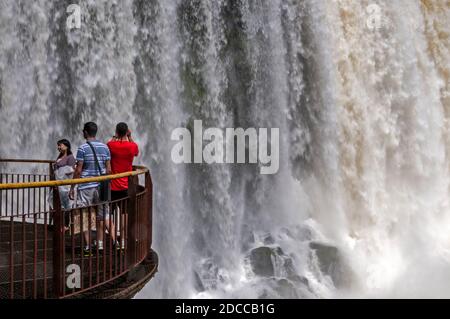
360, 91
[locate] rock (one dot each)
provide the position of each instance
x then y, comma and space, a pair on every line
261, 261
206, 275
330, 262
289, 267
271, 261
198, 284
327, 255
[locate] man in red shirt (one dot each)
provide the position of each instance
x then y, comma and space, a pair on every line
123, 150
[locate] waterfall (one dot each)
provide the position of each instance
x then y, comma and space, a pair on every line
360, 92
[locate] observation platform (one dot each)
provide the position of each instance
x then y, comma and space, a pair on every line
41, 243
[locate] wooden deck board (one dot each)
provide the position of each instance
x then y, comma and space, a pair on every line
34, 276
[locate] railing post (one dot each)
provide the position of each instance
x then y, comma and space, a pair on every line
131, 230
149, 209
58, 232
51, 173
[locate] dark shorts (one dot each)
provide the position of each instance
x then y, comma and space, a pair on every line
116, 195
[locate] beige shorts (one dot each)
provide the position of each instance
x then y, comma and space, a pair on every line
90, 197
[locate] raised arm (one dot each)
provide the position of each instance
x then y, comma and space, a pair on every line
108, 167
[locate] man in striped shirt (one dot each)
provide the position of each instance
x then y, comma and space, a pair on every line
87, 193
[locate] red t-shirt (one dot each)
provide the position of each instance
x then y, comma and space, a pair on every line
122, 155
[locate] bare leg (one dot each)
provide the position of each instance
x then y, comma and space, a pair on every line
100, 231
86, 238
111, 229
109, 226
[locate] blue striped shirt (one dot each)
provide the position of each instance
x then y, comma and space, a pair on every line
90, 169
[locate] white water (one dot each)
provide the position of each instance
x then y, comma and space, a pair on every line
363, 114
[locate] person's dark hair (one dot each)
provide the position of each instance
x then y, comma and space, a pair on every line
121, 129
67, 144
90, 128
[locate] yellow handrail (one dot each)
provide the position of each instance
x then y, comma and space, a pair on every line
139, 170
8, 160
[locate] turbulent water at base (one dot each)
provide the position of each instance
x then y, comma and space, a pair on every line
360, 205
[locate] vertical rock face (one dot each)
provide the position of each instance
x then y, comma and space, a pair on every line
362, 109
330, 262
276, 270
272, 263
261, 260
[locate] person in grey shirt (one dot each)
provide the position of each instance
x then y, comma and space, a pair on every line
64, 167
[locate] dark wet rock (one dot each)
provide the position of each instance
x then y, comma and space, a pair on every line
261, 261
328, 256
198, 284
289, 267
207, 275
330, 262
265, 260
